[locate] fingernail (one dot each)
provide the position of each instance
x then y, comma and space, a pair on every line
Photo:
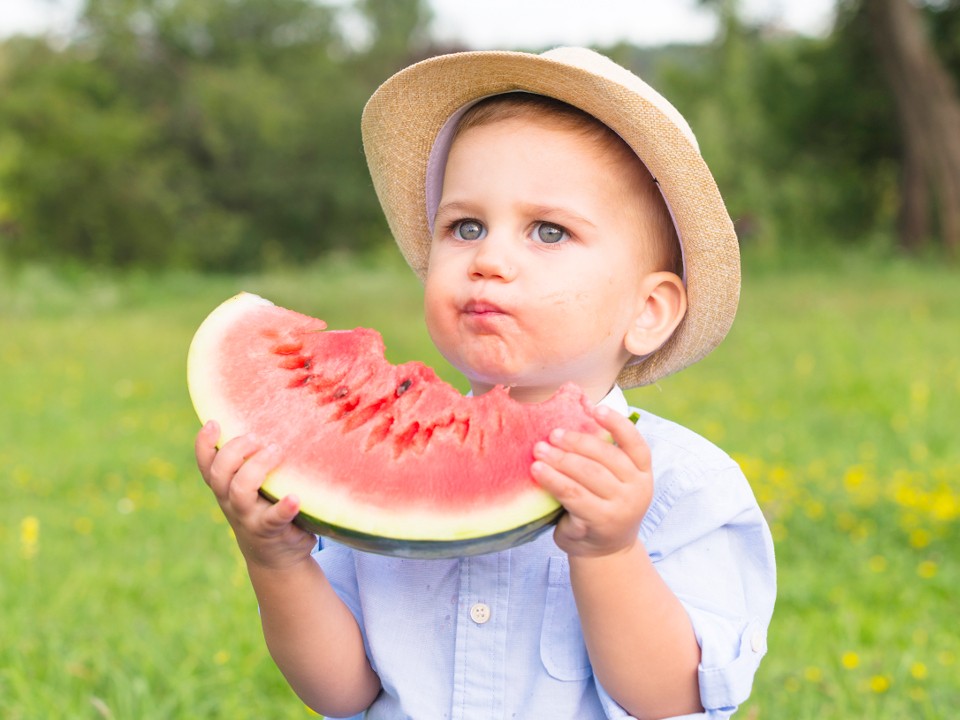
557, 434
602, 411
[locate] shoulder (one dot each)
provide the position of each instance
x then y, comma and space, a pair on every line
696, 483
675, 446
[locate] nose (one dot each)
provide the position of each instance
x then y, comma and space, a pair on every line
493, 259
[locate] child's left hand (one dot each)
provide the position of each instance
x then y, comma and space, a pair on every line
605, 488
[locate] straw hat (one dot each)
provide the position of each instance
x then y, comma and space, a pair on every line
409, 120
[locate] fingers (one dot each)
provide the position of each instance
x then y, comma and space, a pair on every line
264, 530
576, 498
593, 462
236, 471
205, 447
605, 483
254, 465
282, 512
625, 435
221, 465
585, 472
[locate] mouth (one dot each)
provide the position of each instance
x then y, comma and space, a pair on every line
481, 308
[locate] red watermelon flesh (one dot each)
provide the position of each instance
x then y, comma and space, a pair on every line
387, 458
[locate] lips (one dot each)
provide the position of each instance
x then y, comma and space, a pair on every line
482, 307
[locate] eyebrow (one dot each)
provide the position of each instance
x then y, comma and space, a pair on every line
456, 207
548, 212
562, 215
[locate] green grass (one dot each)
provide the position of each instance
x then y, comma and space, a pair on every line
122, 594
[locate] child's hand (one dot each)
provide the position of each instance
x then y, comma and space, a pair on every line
605, 488
264, 530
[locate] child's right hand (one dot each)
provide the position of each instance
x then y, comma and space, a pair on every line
264, 530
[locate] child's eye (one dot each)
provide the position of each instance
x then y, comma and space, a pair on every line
551, 234
468, 230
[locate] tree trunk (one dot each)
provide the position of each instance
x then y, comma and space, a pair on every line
929, 114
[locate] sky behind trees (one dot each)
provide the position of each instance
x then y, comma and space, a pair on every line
528, 24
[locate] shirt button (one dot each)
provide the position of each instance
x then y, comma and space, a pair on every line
480, 613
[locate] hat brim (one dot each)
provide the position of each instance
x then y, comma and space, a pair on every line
404, 117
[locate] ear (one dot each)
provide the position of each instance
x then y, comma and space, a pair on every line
661, 305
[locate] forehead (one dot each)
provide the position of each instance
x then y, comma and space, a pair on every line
557, 155
530, 111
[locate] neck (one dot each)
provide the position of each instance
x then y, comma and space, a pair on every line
536, 394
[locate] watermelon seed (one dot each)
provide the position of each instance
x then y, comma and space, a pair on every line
341, 392
287, 348
404, 386
294, 362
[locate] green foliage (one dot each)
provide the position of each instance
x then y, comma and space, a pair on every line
944, 27
124, 596
799, 132
215, 134
224, 134
77, 176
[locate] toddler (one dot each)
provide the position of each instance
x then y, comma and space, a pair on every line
566, 229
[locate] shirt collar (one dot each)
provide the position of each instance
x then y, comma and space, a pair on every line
616, 400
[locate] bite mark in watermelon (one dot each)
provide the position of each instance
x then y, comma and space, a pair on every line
386, 458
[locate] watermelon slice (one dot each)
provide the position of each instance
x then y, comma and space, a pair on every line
385, 458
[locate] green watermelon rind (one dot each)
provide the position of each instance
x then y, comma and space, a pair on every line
425, 549
396, 529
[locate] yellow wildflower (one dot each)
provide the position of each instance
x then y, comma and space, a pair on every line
83, 525
920, 538
29, 536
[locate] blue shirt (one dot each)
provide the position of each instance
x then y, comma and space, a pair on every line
498, 635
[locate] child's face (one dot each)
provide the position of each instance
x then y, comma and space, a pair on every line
536, 264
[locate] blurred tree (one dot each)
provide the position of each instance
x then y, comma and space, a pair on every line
78, 176
399, 32
210, 133
806, 137
831, 143
721, 90
929, 120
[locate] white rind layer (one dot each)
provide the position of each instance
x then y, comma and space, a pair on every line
201, 359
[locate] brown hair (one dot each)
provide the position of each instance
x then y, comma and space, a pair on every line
557, 114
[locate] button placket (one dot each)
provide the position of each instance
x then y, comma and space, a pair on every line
481, 645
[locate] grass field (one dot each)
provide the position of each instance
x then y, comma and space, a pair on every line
122, 594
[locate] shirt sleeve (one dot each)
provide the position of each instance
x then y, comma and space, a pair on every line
708, 539
337, 563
